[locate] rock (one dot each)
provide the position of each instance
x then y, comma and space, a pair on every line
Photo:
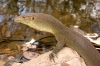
66, 56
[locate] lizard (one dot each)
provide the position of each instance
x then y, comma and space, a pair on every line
64, 35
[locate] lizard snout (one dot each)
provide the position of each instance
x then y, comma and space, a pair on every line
16, 19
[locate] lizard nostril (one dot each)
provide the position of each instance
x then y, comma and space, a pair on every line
16, 20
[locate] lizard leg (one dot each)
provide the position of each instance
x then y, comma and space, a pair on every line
58, 47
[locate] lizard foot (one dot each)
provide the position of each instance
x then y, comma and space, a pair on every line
52, 56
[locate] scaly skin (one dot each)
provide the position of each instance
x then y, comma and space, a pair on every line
63, 34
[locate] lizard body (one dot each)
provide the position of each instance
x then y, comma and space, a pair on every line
64, 36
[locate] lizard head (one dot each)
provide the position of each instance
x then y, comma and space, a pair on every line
24, 19
38, 21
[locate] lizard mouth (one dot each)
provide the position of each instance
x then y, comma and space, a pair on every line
16, 20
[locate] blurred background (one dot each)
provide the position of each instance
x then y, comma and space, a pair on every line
83, 13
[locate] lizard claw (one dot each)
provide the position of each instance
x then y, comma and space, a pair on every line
52, 56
